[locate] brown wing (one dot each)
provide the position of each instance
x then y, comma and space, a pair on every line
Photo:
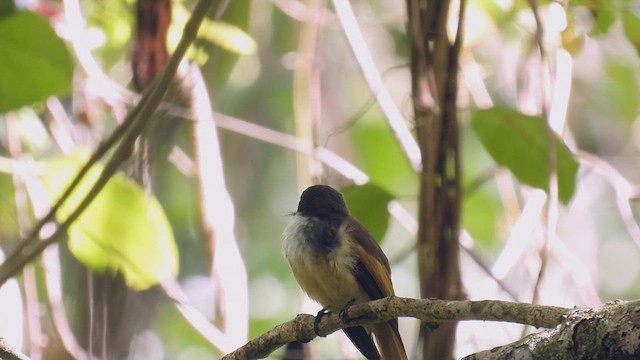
372, 270
374, 276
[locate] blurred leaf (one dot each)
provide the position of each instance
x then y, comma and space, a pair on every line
519, 143
35, 62
401, 41
231, 36
179, 335
382, 157
223, 34
114, 21
480, 213
631, 26
622, 90
505, 17
8, 212
604, 13
7, 7
368, 204
124, 229
228, 36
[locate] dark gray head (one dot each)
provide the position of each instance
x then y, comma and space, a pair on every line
322, 201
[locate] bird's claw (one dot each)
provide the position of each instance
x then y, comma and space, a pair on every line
316, 323
344, 312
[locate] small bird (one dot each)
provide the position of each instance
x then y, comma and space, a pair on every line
337, 263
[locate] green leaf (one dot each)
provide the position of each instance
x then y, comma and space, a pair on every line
228, 37
480, 212
381, 156
519, 143
604, 14
368, 204
631, 26
124, 229
221, 63
35, 62
7, 7
621, 89
8, 210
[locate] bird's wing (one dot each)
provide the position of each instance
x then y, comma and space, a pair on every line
373, 273
372, 269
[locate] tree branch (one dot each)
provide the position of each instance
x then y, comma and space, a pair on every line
611, 331
427, 310
9, 353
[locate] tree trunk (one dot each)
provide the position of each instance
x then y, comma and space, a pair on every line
434, 69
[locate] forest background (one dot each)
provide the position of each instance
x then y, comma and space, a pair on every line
184, 242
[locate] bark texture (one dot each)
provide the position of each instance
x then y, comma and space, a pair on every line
434, 72
608, 332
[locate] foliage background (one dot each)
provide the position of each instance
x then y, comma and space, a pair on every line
591, 67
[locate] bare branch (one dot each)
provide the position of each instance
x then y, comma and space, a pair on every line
8, 353
427, 310
57, 310
362, 55
217, 217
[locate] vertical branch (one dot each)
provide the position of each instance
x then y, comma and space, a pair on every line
373, 78
434, 70
228, 269
306, 90
59, 316
150, 51
37, 340
31, 301
552, 200
31, 189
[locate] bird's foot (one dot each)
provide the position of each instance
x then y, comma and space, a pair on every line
316, 324
344, 313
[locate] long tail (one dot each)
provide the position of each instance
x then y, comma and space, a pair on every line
389, 341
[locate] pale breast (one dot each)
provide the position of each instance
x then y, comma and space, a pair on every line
325, 274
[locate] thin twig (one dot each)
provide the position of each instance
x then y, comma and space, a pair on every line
171, 289
552, 199
623, 189
59, 316
306, 93
361, 111
217, 217
32, 304
365, 61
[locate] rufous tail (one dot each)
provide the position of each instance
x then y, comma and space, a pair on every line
389, 341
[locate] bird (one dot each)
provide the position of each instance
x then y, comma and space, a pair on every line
337, 263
